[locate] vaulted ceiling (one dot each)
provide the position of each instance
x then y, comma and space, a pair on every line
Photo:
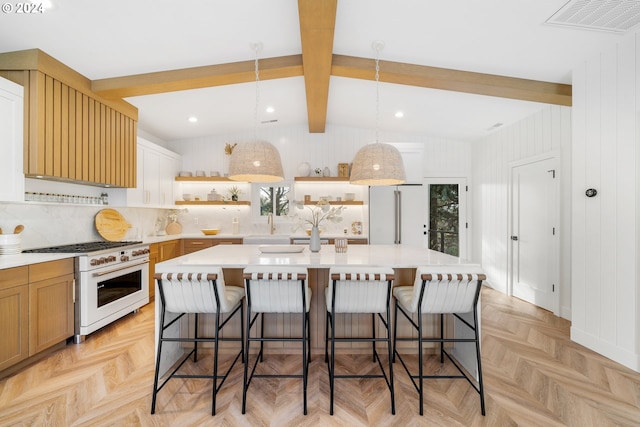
454, 68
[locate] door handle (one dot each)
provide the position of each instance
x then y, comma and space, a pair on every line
514, 237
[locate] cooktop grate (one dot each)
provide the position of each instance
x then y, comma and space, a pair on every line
81, 247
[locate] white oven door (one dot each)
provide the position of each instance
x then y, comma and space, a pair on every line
110, 293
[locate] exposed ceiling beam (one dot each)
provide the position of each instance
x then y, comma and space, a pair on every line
453, 80
317, 25
197, 77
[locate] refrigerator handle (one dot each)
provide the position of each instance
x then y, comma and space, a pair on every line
398, 221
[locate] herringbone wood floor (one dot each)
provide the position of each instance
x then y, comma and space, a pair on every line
534, 376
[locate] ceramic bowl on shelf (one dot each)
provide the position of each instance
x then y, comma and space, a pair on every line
185, 173
187, 197
210, 231
349, 196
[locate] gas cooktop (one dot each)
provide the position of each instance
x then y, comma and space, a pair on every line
81, 247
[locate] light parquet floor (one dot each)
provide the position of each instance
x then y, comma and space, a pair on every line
534, 376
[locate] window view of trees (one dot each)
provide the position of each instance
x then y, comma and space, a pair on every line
274, 200
443, 218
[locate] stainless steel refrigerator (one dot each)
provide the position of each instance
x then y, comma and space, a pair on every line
397, 214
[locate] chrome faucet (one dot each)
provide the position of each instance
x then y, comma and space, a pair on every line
271, 222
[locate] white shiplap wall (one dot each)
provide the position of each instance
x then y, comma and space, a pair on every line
547, 131
606, 129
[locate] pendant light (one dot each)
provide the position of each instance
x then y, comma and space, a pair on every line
377, 163
256, 161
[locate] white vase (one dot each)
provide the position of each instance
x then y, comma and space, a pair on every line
314, 241
326, 172
304, 169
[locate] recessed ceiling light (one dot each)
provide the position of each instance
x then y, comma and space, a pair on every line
399, 114
193, 119
270, 109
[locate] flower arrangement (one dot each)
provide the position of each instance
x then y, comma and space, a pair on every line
321, 212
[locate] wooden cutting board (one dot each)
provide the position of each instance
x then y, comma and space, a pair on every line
111, 225
173, 228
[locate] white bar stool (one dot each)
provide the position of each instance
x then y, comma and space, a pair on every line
197, 293
276, 290
441, 294
359, 290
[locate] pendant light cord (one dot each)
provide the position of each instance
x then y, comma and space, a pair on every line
258, 48
377, 46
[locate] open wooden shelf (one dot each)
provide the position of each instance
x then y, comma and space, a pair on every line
204, 179
337, 203
212, 203
321, 178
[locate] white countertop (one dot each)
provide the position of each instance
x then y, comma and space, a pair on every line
240, 256
19, 260
167, 237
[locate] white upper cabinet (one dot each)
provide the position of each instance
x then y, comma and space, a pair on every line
156, 170
11, 141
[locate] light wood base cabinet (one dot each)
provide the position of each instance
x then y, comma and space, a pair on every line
50, 304
36, 309
14, 316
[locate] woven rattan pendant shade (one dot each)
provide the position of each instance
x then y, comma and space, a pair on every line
377, 164
257, 161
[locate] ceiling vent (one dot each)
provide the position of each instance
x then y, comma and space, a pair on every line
618, 16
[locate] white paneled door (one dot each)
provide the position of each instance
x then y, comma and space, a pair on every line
534, 233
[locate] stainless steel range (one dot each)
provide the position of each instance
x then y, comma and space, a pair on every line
111, 281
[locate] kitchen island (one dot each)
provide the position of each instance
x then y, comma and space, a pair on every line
233, 258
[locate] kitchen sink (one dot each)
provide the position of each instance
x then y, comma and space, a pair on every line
266, 239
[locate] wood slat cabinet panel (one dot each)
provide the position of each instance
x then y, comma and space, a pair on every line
50, 303
72, 135
14, 316
50, 312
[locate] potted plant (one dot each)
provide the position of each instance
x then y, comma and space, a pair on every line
235, 192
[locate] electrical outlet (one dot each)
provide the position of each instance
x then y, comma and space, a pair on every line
196, 221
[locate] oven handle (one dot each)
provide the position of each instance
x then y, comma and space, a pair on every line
102, 273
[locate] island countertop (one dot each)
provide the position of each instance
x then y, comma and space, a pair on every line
240, 256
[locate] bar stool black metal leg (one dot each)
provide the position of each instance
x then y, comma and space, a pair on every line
373, 336
261, 336
420, 362
305, 362
195, 335
246, 356
395, 330
215, 365
157, 374
480, 381
441, 338
332, 367
390, 351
